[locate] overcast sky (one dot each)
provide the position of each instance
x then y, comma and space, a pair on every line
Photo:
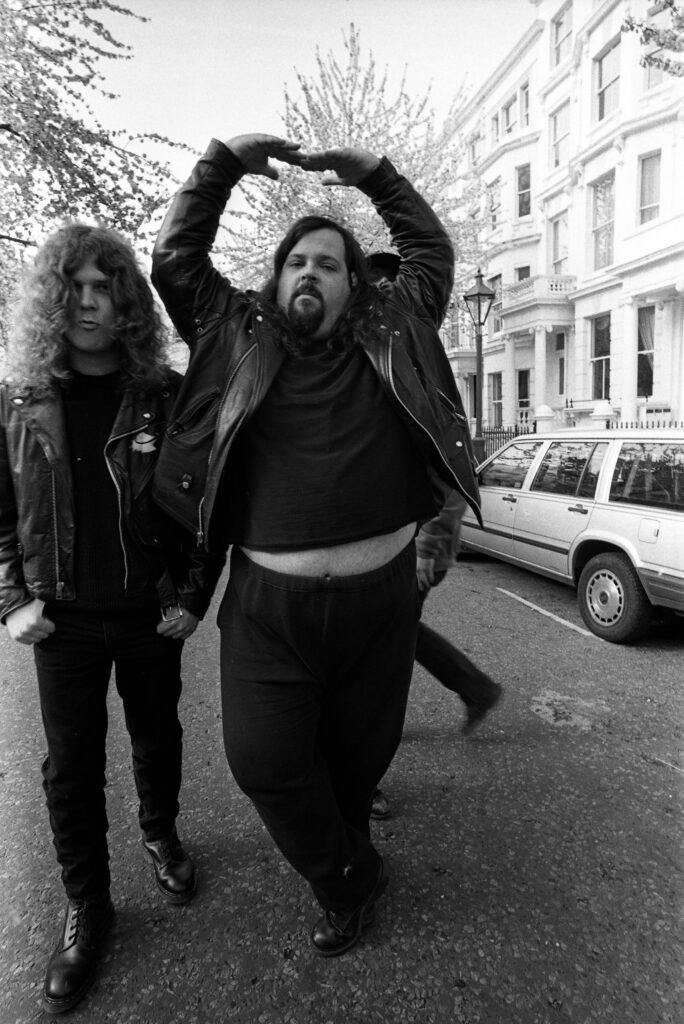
204, 68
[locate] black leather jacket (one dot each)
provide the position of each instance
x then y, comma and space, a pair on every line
235, 354
37, 509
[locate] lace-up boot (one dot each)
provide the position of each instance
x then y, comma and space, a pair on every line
173, 869
71, 967
340, 930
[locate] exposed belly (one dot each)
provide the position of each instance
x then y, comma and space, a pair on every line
339, 560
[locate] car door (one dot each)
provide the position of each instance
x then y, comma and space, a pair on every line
558, 504
500, 480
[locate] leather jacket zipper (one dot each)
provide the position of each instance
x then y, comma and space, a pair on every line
119, 501
59, 584
200, 534
417, 421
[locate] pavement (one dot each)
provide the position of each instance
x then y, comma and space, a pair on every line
535, 868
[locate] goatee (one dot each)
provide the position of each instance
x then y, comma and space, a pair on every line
304, 322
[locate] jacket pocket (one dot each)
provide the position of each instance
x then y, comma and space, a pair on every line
197, 420
448, 406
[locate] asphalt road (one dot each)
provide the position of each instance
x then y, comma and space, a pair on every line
535, 867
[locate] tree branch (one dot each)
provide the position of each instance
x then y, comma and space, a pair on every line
12, 238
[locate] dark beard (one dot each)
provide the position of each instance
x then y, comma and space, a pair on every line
305, 323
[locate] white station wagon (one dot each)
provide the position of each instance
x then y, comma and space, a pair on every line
600, 510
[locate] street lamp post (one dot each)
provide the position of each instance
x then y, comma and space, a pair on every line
478, 302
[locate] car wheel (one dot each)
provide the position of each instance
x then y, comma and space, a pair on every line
611, 599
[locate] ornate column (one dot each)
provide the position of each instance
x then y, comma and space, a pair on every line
542, 412
509, 404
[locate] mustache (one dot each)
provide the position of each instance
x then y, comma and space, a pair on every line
306, 288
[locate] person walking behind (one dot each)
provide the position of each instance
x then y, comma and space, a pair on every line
436, 548
317, 425
91, 572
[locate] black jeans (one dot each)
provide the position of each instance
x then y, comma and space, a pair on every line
315, 674
449, 665
74, 664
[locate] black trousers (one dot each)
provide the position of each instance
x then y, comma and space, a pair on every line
74, 665
315, 674
448, 665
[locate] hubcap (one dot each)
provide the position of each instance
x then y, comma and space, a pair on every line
605, 597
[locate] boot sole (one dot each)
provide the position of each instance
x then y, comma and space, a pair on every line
177, 899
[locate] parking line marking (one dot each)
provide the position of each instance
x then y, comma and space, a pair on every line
668, 765
550, 615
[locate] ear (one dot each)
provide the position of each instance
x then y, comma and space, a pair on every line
354, 279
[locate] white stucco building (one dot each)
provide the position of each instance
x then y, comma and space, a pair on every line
580, 149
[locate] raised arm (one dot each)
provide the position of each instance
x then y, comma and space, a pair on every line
426, 276
188, 284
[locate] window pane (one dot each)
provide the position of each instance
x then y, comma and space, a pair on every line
650, 187
604, 201
587, 485
649, 473
646, 347
608, 78
602, 335
559, 243
562, 467
509, 469
524, 205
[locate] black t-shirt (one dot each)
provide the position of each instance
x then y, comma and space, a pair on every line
90, 407
326, 460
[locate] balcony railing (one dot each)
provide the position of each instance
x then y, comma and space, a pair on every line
540, 288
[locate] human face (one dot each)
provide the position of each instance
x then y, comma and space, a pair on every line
92, 316
314, 288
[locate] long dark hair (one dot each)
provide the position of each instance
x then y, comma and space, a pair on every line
39, 353
354, 320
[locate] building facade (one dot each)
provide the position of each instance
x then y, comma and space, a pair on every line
578, 149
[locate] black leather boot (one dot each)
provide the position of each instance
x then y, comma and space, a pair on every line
173, 869
339, 930
71, 967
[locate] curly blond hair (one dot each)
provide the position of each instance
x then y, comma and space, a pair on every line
39, 350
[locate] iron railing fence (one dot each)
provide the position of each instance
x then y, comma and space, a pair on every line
495, 437
649, 424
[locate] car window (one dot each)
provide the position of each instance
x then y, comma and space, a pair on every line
587, 485
649, 473
510, 466
570, 467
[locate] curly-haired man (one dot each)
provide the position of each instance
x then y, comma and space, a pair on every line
92, 573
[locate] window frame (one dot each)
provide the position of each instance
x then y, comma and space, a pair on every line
495, 396
519, 193
601, 361
556, 140
524, 105
558, 259
642, 207
645, 366
496, 284
607, 94
606, 228
561, 45
508, 125
494, 204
